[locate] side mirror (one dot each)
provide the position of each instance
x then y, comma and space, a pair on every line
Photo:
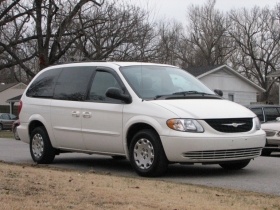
116, 93
219, 92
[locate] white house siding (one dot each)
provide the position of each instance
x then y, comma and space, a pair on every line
11, 92
243, 92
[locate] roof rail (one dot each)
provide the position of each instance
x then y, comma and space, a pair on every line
82, 61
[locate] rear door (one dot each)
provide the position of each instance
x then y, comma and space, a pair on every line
102, 116
66, 112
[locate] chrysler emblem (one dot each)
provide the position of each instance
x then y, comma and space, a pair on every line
234, 124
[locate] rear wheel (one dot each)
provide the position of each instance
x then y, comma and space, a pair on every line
1, 127
235, 165
146, 154
41, 149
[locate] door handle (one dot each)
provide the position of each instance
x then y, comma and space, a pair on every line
87, 114
75, 114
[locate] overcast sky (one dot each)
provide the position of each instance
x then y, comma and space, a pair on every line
177, 8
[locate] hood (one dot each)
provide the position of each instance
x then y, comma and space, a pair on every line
205, 108
274, 125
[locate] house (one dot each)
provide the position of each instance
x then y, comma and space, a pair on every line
10, 95
235, 87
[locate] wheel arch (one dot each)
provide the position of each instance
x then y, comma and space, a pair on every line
133, 129
38, 121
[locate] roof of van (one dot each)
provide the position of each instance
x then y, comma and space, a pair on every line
119, 63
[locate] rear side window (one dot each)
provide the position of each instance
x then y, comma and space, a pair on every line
72, 83
259, 113
271, 113
43, 85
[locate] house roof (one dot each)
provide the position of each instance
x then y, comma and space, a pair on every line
14, 99
274, 74
7, 86
196, 71
203, 71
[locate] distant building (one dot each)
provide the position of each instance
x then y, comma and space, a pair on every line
10, 95
235, 87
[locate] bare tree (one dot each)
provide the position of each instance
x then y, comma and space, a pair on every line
256, 35
115, 32
39, 28
207, 35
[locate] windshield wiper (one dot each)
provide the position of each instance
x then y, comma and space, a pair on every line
159, 96
182, 93
190, 93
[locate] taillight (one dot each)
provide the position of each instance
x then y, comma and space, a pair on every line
19, 107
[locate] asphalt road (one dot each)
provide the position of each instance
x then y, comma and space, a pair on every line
261, 175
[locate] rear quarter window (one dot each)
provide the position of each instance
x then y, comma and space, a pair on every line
43, 85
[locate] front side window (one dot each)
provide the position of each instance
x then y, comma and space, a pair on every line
72, 83
101, 82
271, 113
151, 81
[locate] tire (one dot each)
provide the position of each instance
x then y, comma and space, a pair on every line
40, 146
146, 154
16, 133
265, 152
1, 127
235, 165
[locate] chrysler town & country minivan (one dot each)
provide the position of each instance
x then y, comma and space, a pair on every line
151, 114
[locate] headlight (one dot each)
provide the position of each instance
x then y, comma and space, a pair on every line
187, 125
257, 123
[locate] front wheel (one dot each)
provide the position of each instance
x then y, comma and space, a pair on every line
41, 149
235, 165
146, 154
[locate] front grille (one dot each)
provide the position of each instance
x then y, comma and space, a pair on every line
270, 133
223, 154
231, 125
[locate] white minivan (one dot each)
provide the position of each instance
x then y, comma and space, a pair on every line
151, 114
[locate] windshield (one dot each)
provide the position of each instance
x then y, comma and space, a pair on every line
151, 81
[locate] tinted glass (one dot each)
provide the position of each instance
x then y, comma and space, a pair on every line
13, 117
150, 81
72, 83
259, 113
43, 85
101, 82
271, 113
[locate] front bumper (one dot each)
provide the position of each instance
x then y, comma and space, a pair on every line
196, 148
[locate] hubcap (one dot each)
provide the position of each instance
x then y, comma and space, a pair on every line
143, 153
37, 145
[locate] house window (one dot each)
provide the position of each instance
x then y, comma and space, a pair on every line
231, 96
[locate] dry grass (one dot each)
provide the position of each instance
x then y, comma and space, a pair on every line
41, 187
6, 134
